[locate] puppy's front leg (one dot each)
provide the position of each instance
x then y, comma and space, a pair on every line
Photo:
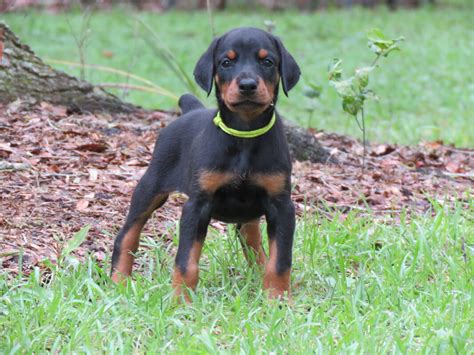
194, 221
281, 226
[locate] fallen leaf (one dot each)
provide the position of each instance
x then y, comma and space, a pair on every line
93, 147
82, 205
433, 145
382, 149
454, 167
93, 174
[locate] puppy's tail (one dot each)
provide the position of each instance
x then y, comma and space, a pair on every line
189, 102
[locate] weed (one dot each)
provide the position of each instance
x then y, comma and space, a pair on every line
354, 90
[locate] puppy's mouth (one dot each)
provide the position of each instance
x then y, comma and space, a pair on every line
247, 103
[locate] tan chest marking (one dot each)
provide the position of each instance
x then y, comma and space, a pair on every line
274, 184
211, 181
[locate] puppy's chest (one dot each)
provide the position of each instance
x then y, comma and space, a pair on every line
241, 169
212, 181
242, 172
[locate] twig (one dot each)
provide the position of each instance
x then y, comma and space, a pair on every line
211, 19
51, 124
135, 87
4, 165
364, 139
463, 248
455, 175
45, 175
460, 150
376, 59
133, 58
81, 40
1, 45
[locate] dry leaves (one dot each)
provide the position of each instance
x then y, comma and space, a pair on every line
59, 172
396, 177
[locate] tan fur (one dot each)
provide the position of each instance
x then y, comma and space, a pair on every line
231, 54
262, 53
278, 286
129, 245
157, 201
131, 240
230, 94
264, 92
274, 184
190, 279
252, 237
211, 181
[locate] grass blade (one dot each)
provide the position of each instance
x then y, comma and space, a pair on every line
170, 60
159, 89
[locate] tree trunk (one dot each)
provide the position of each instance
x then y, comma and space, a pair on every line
24, 75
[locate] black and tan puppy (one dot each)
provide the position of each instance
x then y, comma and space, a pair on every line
233, 163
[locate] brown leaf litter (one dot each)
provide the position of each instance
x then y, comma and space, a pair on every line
61, 171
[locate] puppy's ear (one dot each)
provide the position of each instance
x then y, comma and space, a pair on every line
204, 70
289, 69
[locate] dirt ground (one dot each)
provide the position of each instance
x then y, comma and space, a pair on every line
61, 171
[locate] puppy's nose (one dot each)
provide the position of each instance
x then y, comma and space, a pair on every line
247, 86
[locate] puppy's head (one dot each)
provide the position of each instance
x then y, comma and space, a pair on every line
246, 65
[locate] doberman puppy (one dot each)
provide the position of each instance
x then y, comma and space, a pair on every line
233, 163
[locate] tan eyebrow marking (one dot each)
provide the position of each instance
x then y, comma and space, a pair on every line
262, 53
231, 54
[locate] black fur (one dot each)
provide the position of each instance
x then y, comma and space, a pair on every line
192, 145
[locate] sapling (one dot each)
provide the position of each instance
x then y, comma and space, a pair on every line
312, 92
354, 90
82, 38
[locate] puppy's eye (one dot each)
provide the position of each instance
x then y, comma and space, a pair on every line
226, 63
267, 62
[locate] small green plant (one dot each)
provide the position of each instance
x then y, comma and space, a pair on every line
354, 90
64, 248
269, 26
312, 93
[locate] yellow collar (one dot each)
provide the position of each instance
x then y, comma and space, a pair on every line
243, 134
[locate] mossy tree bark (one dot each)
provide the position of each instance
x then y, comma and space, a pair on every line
23, 75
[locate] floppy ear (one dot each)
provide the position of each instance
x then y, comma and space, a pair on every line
289, 69
204, 70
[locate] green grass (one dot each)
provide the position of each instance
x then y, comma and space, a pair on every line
426, 91
359, 287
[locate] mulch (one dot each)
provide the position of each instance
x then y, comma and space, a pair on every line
61, 171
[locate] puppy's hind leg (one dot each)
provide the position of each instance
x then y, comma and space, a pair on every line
146, 198
251, 240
